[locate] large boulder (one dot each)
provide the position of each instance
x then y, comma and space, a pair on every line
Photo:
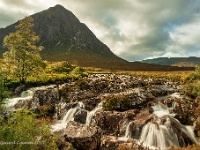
112, 122
83, 137
46, 97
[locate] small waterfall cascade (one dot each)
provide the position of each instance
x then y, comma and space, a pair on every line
128, 133
69, 116
164, 131
161, 110
25, 95
91, 113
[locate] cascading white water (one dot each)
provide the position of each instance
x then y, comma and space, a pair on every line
157, 136
127, 133
63, 123
69, 116
164, 131
161, 110
25, 95
91, 113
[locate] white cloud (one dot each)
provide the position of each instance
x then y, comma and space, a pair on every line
184, 40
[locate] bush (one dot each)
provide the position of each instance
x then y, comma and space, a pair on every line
79, 72
46, 110
64, 67
192, 90
197, 69
21, 131
192, 77
117, 102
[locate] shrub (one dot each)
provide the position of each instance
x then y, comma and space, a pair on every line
192, 90
192, 77
197, 69
63, 67
77, 72
46, 110
21, 132
117, 102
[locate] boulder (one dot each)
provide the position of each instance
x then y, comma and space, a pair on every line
82, 137
115, 143
80, 116
111, 122
46, 97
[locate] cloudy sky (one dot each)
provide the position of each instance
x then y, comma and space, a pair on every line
133, 29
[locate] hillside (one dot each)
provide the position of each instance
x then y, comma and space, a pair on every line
175, 61
65, 38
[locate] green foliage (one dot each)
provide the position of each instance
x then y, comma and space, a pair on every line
192, 90
46, 110
23, 58
21, 131
192, 77
63, 67
77, 72
197, 69
82, 84
4, 93
117, 102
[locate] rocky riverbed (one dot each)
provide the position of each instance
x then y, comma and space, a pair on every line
108, 112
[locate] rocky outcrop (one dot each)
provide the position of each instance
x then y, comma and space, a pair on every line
112, 122
46, 97
108, 111
83, 137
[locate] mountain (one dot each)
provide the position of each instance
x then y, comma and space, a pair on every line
65, 38
175, 61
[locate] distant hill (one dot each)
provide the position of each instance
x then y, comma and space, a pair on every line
175, 61
65, 38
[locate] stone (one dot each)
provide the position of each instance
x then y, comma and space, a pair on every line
80, 116
83, 137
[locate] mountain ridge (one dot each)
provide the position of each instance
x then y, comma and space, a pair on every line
174, 61
65, 38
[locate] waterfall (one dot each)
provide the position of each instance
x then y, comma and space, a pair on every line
69, 116
25, 96
161, 110
157, 136
63, 123
164, 131
91, 113
128, 133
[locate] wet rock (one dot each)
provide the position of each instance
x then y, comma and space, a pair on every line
83, 137
112, 121
158, 92
137, 125
24, 104
63, 145
91, 103
19, 89
115, 143
80, 116
46, 97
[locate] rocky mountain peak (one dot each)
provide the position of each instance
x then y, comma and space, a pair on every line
64, 37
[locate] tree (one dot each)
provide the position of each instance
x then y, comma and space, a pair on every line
23, 58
